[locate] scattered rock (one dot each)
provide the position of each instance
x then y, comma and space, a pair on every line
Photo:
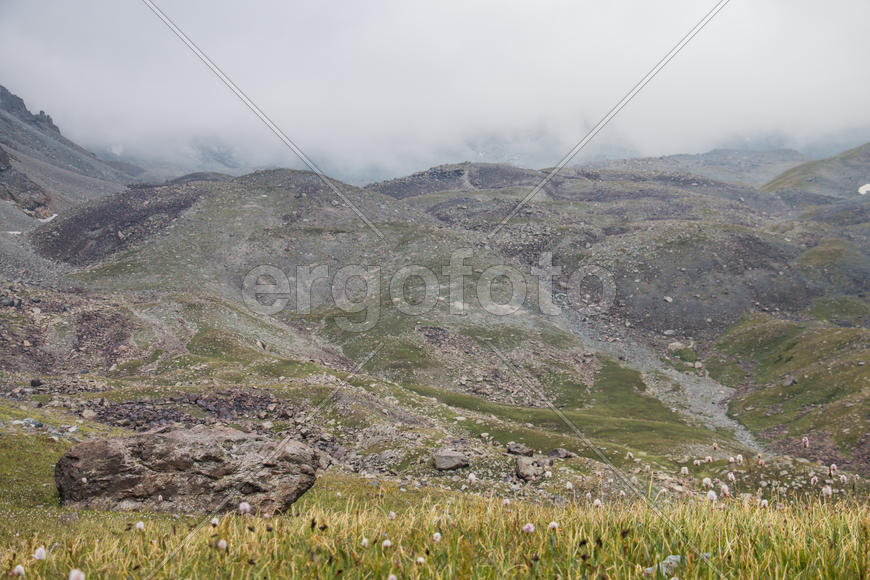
560, 453
788, 381
519, 449
193, 470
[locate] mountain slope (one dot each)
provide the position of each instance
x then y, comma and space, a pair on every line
752, 168
64, 173
838, 177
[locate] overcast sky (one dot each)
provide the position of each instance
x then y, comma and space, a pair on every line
386, 88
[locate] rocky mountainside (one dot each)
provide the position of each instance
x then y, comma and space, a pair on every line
838, 177
42, 172
693, 317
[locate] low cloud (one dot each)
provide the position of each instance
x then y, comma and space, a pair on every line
370, 90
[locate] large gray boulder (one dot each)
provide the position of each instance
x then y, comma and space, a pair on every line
197, 470
532, 468
449, 459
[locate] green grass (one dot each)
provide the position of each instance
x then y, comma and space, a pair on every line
322, 537
832, 393
725, 371
843, 308
620, 416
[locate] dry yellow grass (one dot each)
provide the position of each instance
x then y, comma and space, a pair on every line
480, 538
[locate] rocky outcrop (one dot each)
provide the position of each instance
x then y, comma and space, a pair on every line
449, 459
198, 470
519, 449
532, 468
20, 190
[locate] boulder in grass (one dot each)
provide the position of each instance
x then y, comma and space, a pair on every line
196, 470
449, 459
519, 449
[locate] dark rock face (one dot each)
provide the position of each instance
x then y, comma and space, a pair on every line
198, 470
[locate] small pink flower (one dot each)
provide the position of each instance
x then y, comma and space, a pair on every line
140, 526
76, 574
553, 526
814, 480
387, 543
707, 482
711, 496
529, 528
724, 491
764, 503
708, 459
244, 508
596, 503
222, 545
805, 442
684, 470
827, 491
715, 447
506, 502
436, 537
421, 560
18, 571
739, 459
391, 515
731, 477
761, 462
39, 553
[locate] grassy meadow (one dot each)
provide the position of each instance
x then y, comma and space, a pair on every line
339, 529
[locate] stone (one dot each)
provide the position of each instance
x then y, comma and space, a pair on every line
788, 380
528, 469
196, 470
35, 383
676, 345
449, 459
560, 453
519, 449
89, 414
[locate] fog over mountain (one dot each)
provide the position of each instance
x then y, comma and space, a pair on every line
378, 90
